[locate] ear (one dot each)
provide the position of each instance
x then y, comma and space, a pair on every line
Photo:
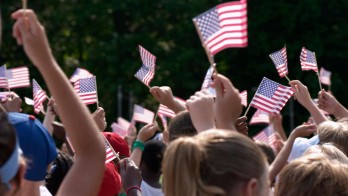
251, 187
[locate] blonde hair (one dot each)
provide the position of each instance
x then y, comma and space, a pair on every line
313, 174
329, 150
336, 133
211, 163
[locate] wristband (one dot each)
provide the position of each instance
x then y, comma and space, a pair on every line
138, 144
133, 187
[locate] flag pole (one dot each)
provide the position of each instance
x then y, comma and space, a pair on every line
116, 154
210, 57
154, 119
315, 57
96, 90
321, 87
287, 77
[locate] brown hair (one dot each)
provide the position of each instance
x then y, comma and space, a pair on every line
334, 132
313, 174
181, 125
211, 163
329, 150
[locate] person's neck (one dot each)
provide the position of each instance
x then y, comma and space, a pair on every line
31, 188
151, 179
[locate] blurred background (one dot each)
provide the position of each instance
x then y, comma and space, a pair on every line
102, 37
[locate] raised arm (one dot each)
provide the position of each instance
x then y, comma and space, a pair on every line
329, 103
281, 159
85, 176
303, 97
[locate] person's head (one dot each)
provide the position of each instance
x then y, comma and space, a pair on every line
36, 143
313, 174
267, 150
181, 125
215, 162
151, 159
334, 132
118, 144
59, 169
11, 167
330, 150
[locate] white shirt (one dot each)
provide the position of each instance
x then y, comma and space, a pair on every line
148, 190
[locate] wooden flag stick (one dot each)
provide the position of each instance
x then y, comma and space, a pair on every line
210, 57
247, 110
96, 90
116, 154
287, 78
154, 119
321, 87
24, 6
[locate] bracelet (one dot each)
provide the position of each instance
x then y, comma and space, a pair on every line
133, 187
138, 144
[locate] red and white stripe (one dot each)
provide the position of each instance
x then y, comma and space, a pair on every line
259, 117
244, 98
233, 23
20, 77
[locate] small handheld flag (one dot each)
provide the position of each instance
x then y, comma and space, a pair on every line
325, 76
147, 71
18, 77
244, 98
39, 96
208, 81
280, 60
142, 115
271, 96
308, 60
86, 88
259, 117
3, 78
80, 73
223, 26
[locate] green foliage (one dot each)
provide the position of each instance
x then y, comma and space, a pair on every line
102, 36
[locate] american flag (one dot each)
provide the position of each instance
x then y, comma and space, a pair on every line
259, 117
267, 136
142, 115
18, 77
280, 60
244, 97
165, 111
86, 88
5, 94
164, 121
208, 81
308, 60
80, 73
325, 76
121, 131
123, 123
110, 155
271, 96
224, 26
147, 71
39, 96
3, 78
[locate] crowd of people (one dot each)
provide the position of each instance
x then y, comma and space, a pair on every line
205, 150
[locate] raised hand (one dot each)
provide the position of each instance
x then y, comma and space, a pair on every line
12, 103
201, 108
147, 132
301, 93
327, 102
99, 118
164, 95
130, 175
228, 105
29, 32
241, 125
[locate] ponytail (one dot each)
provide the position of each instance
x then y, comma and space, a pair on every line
182, 169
